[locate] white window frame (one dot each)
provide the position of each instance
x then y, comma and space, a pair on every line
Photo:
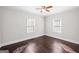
57, 24
30, 25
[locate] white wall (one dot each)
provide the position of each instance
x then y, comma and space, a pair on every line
14, 26
1, 26
70, 29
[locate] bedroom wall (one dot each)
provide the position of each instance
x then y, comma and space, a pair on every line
1, 16
70, 25
0, 27
14, 26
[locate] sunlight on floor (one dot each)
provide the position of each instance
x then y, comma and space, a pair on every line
31, 48
57, 48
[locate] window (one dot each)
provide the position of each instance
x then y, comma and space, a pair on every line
57, 24
30, 25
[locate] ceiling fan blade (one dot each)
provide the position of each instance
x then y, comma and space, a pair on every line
48, 10
49, 7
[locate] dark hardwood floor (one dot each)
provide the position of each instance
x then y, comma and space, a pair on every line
43, 44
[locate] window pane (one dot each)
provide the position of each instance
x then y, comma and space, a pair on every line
30, 29
57, 25
30, 25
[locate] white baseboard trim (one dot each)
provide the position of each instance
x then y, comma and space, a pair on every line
12, 42
63, 39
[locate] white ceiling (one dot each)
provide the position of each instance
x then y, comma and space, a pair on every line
32, 9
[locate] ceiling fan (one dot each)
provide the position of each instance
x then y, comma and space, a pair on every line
45, 8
